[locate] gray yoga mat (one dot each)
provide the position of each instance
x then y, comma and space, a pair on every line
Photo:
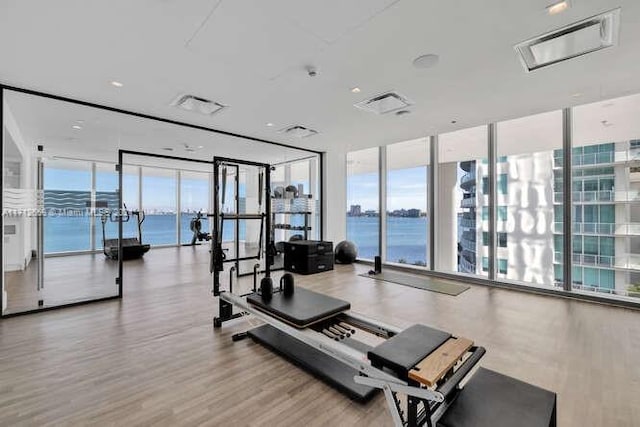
421, 282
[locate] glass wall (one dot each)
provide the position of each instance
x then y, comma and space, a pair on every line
67, 202
529, 191
462, 201
159, 206
194, 199
606, 201
53, 221
363, 215
406, 219
107, 199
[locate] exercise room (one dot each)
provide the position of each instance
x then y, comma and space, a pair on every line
363, 213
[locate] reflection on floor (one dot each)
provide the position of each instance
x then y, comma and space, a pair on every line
67, 279
74, 278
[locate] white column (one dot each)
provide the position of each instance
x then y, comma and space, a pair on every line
447, 246
335, 195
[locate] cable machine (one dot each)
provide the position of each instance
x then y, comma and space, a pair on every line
222, 216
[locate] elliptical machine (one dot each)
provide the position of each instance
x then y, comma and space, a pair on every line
196, 227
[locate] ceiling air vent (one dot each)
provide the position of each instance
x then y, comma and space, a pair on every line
586, 36
384, 103
197, 104
298, 131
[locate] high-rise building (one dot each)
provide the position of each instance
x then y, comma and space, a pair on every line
605, 217
467, 245
606, 236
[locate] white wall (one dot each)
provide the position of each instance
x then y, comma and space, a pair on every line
17, 247
335, 195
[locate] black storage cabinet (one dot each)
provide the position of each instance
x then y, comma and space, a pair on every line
308, 256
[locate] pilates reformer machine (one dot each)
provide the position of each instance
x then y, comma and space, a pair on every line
429, 377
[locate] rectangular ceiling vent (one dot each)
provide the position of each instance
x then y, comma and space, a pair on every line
298, 131
577, 39
197, 104
384, 103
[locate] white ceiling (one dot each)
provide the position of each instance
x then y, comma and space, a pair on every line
252, 54
48, 122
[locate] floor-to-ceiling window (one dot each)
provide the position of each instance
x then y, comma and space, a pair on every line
529, 191
462, 201
67, 203
159, 205
406, 219
194, 199
363, 215
530, 203
606, 196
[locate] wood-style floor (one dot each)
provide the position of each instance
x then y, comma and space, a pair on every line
155, 359
67, 279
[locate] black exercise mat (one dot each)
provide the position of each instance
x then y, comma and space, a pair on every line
421, 282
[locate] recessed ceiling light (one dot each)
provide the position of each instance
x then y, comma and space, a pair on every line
558, 7
192, 148
355, 90
116, 83
76, 127
269, 124
454, 122
426, 61
168, 149
577, 95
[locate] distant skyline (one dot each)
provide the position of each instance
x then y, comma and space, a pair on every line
406, 189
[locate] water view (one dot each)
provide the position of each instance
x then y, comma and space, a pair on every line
406, 238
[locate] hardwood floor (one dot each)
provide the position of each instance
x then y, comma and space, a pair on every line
155, 359
67, 279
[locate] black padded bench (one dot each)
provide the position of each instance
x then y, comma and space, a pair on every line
403, 351
496, 400
302, 309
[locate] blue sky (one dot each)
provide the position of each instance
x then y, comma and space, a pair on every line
406, 189
158, 192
